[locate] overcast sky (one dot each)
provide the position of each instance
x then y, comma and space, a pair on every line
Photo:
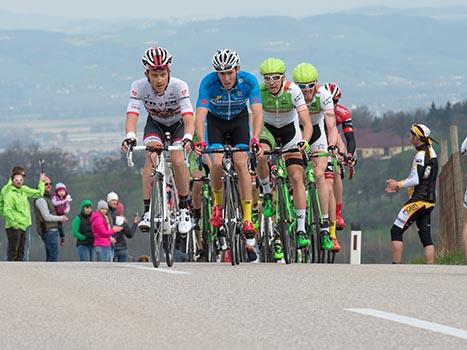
199, 8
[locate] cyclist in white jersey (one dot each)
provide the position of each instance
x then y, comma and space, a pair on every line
284, 109
167, 101
321, 108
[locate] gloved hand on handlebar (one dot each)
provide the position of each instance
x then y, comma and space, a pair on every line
304, 146
333, 150
256, 147
130, 140
351, 160
200, 147
187, 142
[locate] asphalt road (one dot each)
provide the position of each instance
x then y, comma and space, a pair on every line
217, 306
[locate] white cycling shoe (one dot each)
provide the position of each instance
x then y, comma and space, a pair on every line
144, 224
184, 225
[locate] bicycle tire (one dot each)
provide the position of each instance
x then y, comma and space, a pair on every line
168, 242
282, 223
229, 222
313, 222
155, 228
265, 249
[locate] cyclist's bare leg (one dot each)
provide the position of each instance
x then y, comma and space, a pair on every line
332, 199
338, 188
397, 249
244, 178
181, 173
429, 254
196, 190
320, 164
263, 168
296, 174
216, 173
151, 159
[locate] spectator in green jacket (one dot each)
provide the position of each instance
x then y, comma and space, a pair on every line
17, 212
82, 232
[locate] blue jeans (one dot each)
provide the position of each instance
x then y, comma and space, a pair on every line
51, 240
102, 253
86, 253
28, 242
121, 255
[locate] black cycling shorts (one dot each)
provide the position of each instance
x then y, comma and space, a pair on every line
235, 132
155, 132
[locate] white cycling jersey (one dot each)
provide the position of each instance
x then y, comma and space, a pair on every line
165, 109
321, 102
283, 109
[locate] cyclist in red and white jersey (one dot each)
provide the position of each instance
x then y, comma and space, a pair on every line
167, 101
343, 118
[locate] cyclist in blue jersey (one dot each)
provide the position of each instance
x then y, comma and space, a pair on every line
221, 113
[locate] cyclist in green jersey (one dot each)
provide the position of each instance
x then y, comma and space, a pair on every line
284, 109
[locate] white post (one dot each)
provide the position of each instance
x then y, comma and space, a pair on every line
355, 244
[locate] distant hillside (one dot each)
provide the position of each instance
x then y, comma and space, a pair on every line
384, 59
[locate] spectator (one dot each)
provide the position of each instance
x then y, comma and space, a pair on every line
102, 229
47, 223
15, 208
116, 210
61, 201
83, 233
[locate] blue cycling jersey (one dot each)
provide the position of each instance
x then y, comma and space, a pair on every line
227, 104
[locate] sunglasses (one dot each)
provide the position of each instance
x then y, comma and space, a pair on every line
277, 77
307, 86
48, 184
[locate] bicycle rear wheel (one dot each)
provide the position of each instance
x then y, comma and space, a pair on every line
265, 239
157, 217
168, 242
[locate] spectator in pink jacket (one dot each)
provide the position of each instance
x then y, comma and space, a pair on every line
102, 229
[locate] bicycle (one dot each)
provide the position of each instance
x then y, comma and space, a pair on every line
208, 232
164, 202
231, 211
285, 220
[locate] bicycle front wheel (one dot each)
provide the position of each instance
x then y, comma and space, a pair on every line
156, 217
282, 223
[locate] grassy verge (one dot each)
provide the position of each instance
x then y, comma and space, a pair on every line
452, 258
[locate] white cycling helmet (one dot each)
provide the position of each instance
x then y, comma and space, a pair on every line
156, 58
334, 89
225, 60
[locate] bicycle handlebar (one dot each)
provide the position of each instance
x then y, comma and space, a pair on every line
279, 150
158, 150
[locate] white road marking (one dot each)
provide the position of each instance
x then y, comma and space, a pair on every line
431, 326
159, 269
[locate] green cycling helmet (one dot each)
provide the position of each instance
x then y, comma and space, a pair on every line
272, 65
305, 73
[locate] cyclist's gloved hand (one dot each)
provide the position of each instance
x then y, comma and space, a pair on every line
304, 146
200, 147
130, 140
351, 160
333, 150
256, 146
187, 142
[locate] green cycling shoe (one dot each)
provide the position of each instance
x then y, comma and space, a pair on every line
326, 241
278, 253
302, 240
267, 207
